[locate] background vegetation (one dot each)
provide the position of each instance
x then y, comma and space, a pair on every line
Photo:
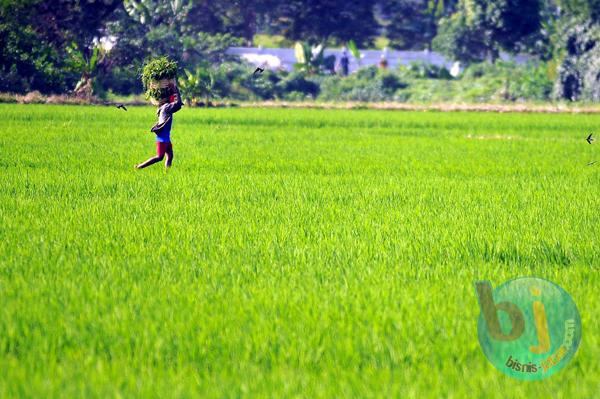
97, 48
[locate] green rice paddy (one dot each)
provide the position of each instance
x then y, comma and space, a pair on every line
287, 253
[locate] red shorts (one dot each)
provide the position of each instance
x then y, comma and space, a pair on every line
164, 148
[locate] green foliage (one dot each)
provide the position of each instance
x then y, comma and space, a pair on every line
319, 22
191, 85
424, 70
165, 31
88, 69
483, 82
271, 41
297, 86
237, 82
368, 84
35, 55
511, 82
29, 63
311, 59
579, 54
583, 10
204, 83
231, 80
240, 18
424, 83
153, 12
53, 47
458, 42
205, 48
38, 40
412, 25
541, 44
121, 80
168, 28
381, 42
481, 28
158, 69
263, 87
355, 51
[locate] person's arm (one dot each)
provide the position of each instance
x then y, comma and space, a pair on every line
176, 105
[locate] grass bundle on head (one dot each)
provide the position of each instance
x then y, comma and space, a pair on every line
156, 77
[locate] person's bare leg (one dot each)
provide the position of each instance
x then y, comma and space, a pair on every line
169, 159
149, 162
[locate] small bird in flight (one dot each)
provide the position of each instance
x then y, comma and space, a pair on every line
589, 139
591, 163
259, 70
121, 106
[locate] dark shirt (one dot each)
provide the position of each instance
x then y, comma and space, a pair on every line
165, 118
344, 63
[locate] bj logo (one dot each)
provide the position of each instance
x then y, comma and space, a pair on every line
529, 328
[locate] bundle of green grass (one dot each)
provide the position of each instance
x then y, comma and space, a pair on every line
157, 76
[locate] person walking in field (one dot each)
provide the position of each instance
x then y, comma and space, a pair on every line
344, 62
162, 129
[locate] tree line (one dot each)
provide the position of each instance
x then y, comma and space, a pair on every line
55, 46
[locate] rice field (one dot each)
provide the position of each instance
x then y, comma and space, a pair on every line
287, 253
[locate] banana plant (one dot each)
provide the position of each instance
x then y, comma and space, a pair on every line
311, 59
197, 85
87, 66
355, 51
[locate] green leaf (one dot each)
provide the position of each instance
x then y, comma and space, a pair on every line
354, 49
300, 53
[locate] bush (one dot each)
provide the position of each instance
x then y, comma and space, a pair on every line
501, 81
429, 90
121, 80
486, 69
298, 84
28, 63
418, 82
263, 86
507, 81
368, 84
532, 82
425, 70
296, 96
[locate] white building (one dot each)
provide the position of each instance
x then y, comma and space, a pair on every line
284, 58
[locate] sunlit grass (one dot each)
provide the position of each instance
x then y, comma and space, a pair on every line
312, 253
